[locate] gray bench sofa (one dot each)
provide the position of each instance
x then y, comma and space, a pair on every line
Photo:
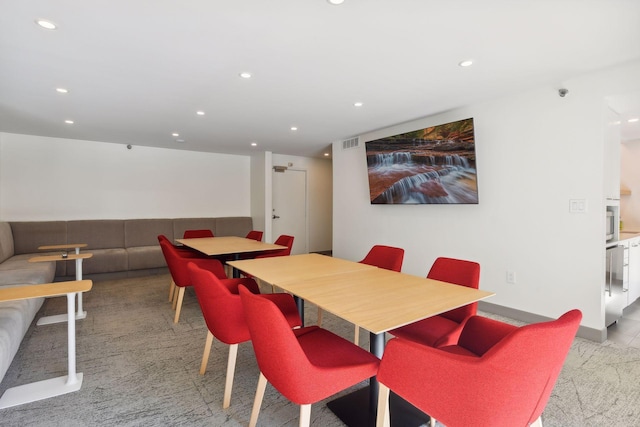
126, 247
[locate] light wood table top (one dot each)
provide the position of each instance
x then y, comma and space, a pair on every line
379, 300
228, 245
65, 246
59, 257
278, 270
44, 290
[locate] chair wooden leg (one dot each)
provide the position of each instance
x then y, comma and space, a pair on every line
383, 419
320, 312
538, 422
432, 421
179, 304
172, 288
305, 415
262, 385
231, 368
176, 291
207, 351
356, 336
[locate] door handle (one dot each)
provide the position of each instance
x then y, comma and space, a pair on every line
275, 217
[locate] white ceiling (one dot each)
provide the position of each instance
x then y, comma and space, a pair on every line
137, 71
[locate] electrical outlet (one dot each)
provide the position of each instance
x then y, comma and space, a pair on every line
511, 277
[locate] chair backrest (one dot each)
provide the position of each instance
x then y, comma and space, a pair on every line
255, 235
285, 240
177, 269
459, 272
221, 309
279, 355
178, 264
387, 257
540, 349
196, 234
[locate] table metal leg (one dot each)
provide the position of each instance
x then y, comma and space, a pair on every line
55, 386
300, 304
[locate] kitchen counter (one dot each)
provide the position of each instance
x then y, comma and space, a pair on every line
624, 235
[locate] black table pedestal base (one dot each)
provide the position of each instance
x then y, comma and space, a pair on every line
353, 409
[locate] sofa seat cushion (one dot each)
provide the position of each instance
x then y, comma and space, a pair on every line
144, 257
18, 270
15, 319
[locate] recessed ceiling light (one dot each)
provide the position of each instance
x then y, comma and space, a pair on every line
635, 119
326, 154
69, 122
245, 75
200, 113
335, 2
175, 134
179, 140
294, 128
466, 63
46, 24
358, 104
254, 144
62, 90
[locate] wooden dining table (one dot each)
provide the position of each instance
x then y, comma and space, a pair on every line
375, 299
229, 245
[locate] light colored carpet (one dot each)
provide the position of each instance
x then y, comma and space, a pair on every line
141, 369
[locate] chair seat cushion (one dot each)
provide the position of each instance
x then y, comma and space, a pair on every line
338, 362
456, 349
429, 331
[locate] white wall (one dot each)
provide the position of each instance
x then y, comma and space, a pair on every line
535, 152
320, 197
58, 179
630, 177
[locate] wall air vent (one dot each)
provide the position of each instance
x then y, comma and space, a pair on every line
351, 143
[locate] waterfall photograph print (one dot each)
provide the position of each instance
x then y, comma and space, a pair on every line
435, 165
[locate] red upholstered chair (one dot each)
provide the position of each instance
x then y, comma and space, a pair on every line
445, 328
255, 235
497, 374
224, 316
183, 252
283, 240
196, 234
306, 365
180, 276
387, 257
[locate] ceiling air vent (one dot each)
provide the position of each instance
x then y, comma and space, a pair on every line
350, 143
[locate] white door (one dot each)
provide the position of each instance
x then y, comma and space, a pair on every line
290, 208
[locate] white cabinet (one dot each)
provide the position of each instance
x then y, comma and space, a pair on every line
634, 270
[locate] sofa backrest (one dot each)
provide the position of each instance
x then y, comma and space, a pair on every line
144, 232
6, 241
28, 235
97, 233
233, 226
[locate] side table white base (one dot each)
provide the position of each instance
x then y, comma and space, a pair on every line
39, 390
58, 318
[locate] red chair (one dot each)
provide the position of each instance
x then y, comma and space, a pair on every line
445, 328
180, 275
497, 374
183, 252
387, 257
306, 365
283, 240
224, 316
255, 235
197, 234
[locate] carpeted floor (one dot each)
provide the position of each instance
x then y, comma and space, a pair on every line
141, 369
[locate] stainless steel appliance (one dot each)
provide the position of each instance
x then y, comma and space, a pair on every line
612, 223
614, 289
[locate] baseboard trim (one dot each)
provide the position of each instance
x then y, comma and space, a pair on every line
597, 335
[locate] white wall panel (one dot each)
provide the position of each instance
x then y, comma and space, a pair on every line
45, 178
